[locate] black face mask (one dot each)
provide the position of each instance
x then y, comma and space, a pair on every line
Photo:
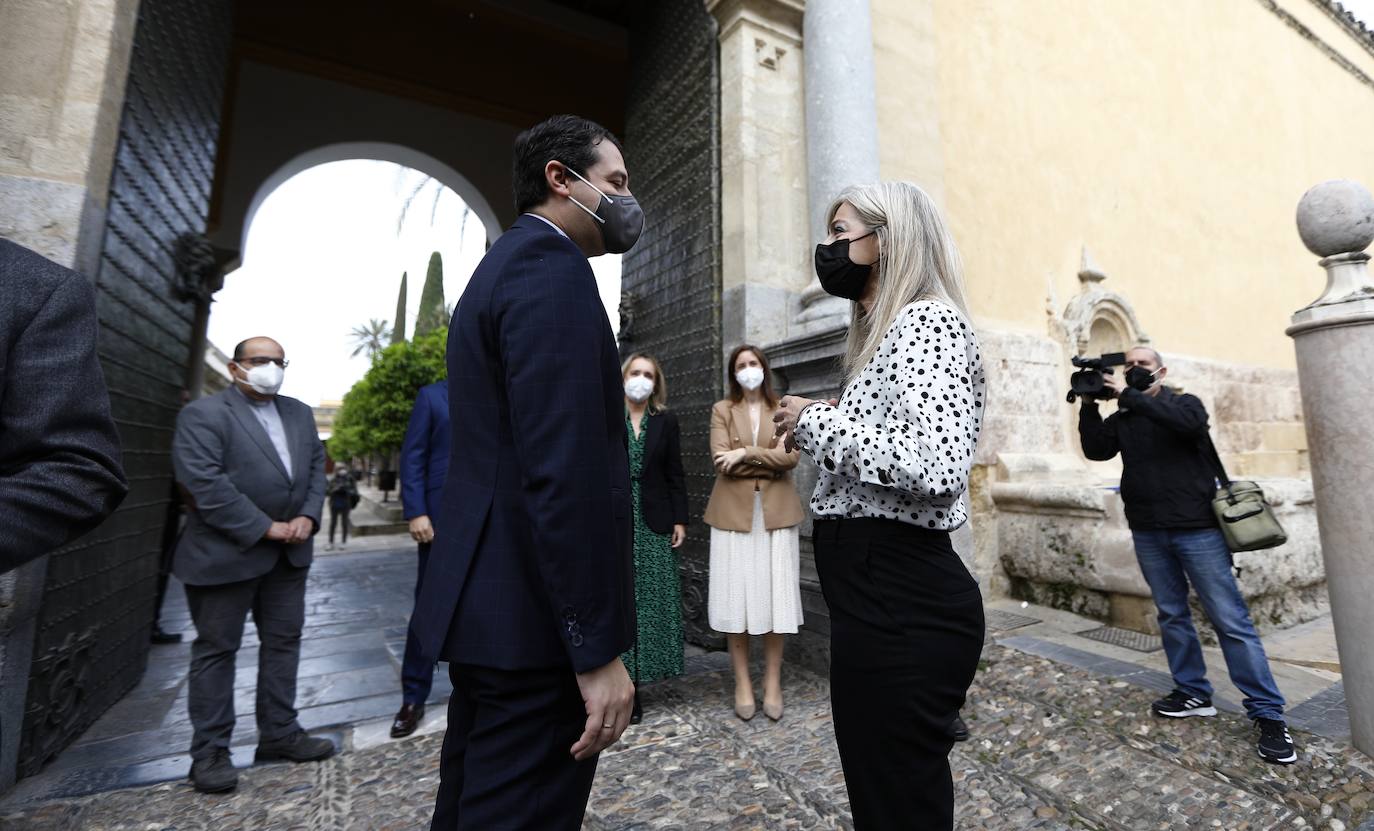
1139, 378
838, 274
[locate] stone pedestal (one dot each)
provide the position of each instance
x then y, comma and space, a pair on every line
764, 261
1334, 337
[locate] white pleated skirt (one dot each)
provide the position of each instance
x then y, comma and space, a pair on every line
755, 584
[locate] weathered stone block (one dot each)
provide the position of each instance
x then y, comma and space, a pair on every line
1269, 463
1283, 436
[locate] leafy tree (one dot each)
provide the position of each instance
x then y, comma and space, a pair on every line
398, 334
431, 314
376, 410
369, 337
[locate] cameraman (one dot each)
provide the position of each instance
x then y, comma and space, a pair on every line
1167, 484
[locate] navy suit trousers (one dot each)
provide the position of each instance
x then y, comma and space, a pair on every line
417, 674
505, 764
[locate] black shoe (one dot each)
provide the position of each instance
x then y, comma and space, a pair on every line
958, 730
1179, 704
637, 714
161, 637
297, 747
407, 720
1275, 742
215, 774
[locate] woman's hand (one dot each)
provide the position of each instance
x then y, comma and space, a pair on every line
785, 419
679, 535
727, 459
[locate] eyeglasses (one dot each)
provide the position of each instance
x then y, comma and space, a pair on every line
281, 362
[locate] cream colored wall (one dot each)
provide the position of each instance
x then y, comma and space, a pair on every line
1171, 139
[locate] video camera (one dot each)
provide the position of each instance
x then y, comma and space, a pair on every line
1088, 382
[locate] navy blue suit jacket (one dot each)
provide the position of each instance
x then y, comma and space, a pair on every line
425, 452
532, 566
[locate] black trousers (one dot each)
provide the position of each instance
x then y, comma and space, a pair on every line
277, 601
505, 764
906, 632
335, 514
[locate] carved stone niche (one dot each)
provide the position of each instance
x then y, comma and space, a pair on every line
1098, 320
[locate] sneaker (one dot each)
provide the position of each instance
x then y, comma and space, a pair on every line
214, 774
1179, 704
297, 747
1275, 742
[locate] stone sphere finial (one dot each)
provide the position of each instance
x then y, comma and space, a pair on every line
1336, 217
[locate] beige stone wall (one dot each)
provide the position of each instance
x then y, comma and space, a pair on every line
1171, 139
63, 67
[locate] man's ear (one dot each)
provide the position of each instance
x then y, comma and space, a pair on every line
556, 177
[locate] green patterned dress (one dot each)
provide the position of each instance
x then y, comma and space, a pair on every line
657, 653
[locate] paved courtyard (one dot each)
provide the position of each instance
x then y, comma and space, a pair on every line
1061, 740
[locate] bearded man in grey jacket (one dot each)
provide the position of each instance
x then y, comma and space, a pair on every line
253, 465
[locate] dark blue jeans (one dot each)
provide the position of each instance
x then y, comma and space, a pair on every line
1170, 560
417, 676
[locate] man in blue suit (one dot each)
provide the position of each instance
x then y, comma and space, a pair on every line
424, 467
529, 589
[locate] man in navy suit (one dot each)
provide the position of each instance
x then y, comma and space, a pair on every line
529, 589
424, 467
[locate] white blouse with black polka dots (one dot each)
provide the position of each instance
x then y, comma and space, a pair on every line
900, 444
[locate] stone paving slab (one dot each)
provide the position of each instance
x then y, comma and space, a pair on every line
1054, 747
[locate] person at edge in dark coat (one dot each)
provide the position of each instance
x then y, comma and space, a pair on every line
60, 470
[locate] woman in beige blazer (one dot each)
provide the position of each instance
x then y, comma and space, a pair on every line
754, 512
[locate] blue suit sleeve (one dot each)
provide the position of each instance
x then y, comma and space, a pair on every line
414, 454
551, 329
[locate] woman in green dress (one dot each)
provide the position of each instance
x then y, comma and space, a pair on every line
659, 492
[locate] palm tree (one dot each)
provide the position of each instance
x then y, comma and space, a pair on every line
370, 338
426, 182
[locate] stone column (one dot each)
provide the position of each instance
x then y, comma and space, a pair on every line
841, 125
764, 262
1334, 337
62, 78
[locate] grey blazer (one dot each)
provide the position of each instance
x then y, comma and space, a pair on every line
238, 485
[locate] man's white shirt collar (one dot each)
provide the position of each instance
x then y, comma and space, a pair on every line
549, 223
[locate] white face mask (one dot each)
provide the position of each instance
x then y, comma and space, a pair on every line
638, 389
265, 379
751, 377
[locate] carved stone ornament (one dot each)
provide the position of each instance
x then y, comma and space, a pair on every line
627, 317
1096, 308
57, 699
198, 275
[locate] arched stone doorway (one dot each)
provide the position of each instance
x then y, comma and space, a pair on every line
382, 152
224, 95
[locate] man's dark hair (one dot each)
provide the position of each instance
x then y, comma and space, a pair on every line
239, 347
564, 138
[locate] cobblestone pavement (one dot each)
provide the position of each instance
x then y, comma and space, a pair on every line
1054, 747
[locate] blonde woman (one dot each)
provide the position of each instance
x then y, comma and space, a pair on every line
754, 512
659, 491
893, 458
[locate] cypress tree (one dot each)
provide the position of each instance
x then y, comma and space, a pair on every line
398, 331
431, 314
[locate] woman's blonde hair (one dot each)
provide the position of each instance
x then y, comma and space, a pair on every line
917, 260
658, 401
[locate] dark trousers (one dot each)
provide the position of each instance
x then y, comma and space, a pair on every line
337, 512
277, 601
505, 765
417, 674
906, 632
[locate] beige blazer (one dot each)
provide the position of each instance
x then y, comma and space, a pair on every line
766, 468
